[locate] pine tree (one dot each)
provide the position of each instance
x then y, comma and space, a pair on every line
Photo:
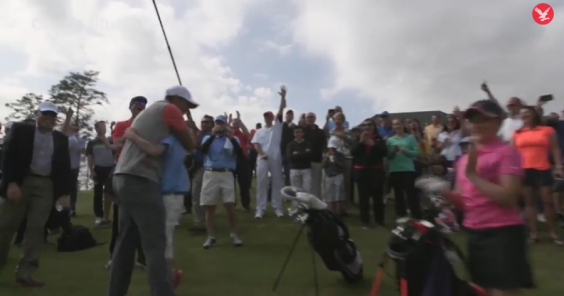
78, 91
25, 107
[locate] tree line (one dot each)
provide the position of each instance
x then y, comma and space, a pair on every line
76, 91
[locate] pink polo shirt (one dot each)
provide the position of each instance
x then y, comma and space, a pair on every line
480, 211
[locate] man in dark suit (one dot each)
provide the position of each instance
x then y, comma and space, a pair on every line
36, 167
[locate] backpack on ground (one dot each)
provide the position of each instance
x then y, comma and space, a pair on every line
75, 238
329, 237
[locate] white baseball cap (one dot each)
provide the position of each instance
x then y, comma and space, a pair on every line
183, 92
48, 107
333, 142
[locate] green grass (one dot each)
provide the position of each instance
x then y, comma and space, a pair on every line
247, 271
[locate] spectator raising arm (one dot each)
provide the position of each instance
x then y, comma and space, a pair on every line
280, 114
66, 129
242, 126
491, 97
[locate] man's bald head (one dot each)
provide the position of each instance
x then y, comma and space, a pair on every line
310, 118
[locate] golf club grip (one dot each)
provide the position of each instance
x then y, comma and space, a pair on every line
189, 115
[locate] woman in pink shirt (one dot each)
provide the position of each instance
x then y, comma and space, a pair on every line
488, 187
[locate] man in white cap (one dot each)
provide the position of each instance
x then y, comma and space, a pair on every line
138, 194
30, 186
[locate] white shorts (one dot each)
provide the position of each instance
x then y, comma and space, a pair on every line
334, 188
174, 207
217, 188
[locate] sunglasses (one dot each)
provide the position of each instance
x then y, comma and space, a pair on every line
511, 105
49, 114
206, 121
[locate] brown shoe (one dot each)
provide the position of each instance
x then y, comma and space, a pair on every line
29, 282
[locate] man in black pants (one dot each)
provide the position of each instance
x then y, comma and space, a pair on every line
287, 137
100, 162
136, 105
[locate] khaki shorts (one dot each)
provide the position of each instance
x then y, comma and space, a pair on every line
217, 188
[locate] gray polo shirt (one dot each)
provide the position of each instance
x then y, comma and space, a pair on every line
42, 154
102, 156
151, 126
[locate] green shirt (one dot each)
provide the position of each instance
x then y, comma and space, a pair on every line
402, 161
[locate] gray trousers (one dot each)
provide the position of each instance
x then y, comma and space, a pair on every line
141, 219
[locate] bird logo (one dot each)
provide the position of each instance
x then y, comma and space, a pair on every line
543, 14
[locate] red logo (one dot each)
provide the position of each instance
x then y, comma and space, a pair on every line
543, 14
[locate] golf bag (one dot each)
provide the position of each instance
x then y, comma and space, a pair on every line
423, 255
330, 239
327, 234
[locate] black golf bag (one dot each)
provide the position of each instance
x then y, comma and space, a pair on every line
329, 237
424, 259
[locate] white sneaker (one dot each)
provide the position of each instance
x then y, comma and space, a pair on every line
236, 240
109, 264
259, 215
98, 221
540, 218
279, 213
210, 242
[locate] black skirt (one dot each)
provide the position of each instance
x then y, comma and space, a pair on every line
498, 258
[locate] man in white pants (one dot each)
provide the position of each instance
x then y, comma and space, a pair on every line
267, 144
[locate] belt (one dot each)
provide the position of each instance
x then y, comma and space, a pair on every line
175, 193
39, 176
217, 170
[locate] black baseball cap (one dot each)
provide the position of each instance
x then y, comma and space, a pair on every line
138, 100
485, 108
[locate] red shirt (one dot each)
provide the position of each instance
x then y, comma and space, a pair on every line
119, 130
242, 140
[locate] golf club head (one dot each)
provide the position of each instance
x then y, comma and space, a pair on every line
298, 195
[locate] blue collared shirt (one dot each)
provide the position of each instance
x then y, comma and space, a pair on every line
197, 155
218, 157
175, 176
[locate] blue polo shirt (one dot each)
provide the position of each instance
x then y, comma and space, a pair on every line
385, 132
218, 157
175, 176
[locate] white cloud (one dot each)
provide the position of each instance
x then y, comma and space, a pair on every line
123, 40
282, 49
417, 55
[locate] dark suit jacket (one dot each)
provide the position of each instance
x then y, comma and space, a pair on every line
18, 152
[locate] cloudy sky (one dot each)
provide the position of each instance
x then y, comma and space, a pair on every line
364, 55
